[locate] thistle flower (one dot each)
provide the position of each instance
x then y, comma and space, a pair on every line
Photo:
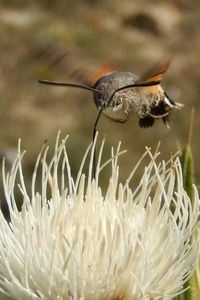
72, 241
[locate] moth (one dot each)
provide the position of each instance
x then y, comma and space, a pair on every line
118, 95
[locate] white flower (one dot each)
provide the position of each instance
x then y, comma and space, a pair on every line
70, 241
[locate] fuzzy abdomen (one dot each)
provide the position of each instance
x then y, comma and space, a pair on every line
147, 102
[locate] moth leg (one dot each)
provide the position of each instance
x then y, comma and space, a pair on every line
146, 122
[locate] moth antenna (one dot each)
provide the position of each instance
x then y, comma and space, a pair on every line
85, 87
139, 84
64, 84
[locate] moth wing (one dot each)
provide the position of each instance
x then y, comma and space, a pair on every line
156, 73
100, 72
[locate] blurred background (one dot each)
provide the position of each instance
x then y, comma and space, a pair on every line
67, 40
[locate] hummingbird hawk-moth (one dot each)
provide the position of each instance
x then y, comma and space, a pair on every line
118, 95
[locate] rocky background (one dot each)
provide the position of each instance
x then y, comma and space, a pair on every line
68, 41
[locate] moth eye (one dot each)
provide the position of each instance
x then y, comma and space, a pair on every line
119, 100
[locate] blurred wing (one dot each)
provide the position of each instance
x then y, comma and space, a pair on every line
99, 72
156, 73
69, 63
